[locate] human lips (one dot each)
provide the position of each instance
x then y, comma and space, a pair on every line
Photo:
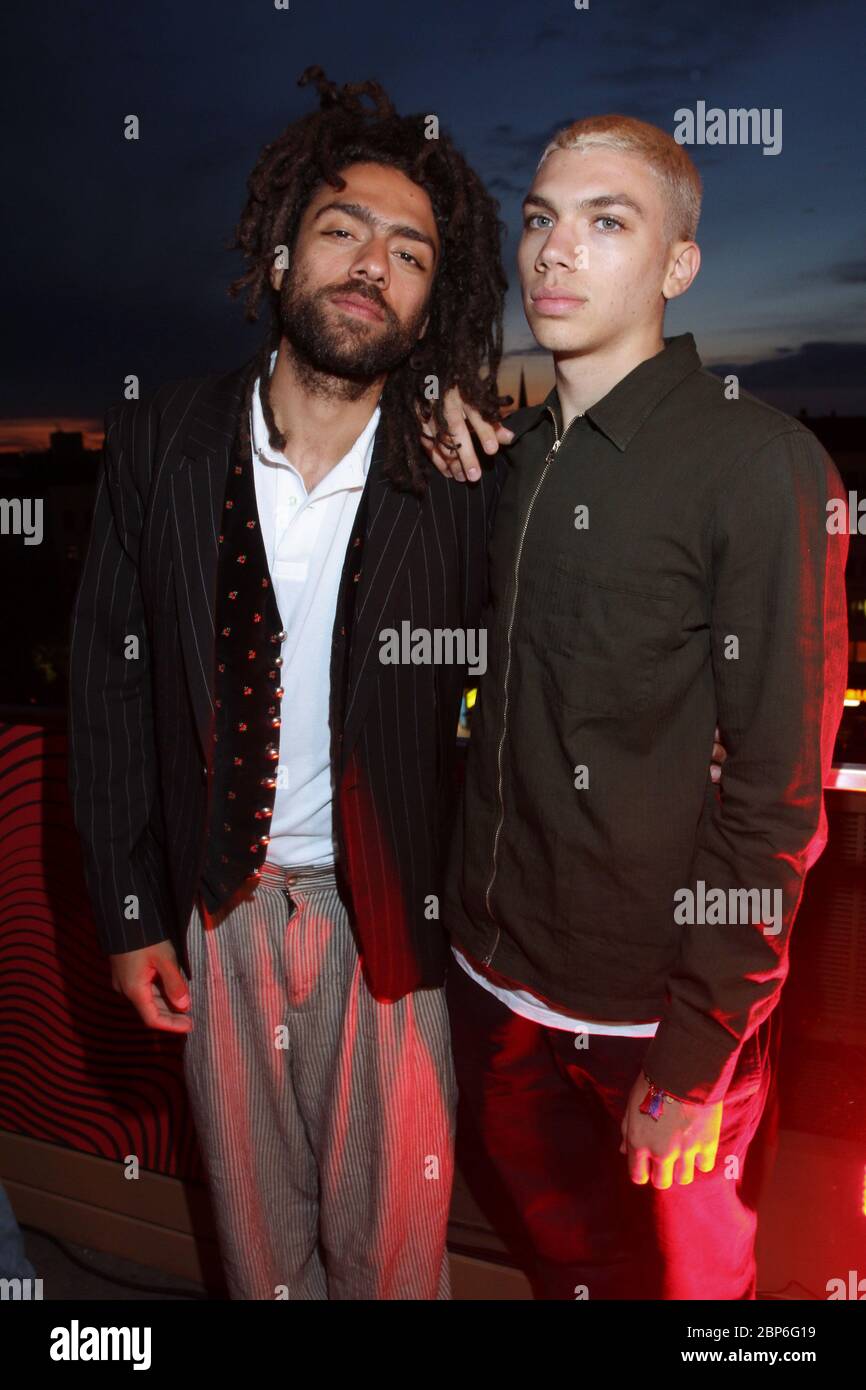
358, 305
554, 301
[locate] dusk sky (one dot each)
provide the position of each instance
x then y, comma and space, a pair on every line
115, 254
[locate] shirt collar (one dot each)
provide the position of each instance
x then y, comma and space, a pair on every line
620, 413
353, 466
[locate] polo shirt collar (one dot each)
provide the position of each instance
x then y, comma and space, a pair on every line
620, 414
350, 471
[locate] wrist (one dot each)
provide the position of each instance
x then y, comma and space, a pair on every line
655, 1099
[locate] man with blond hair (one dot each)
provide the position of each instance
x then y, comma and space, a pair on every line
620, 925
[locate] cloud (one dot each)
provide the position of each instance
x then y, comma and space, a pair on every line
520, 150
811, 366
849, 273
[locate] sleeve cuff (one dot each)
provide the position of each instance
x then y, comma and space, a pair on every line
687, 1067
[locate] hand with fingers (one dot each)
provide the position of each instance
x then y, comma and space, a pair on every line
664, 1149
456, 457
152, 980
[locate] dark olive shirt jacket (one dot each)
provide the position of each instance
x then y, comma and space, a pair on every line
142, 713
666, 568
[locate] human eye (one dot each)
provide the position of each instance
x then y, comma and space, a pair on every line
615, 220
409, 257
533, 218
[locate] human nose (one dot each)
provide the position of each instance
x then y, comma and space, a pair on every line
557, 251
371, 263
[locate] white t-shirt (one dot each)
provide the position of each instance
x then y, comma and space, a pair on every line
527, 1005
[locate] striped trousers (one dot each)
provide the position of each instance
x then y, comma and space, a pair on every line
325, 1117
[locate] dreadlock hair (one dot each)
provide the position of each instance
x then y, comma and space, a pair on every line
463, 343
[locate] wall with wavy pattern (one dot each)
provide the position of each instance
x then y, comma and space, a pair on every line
77, 1068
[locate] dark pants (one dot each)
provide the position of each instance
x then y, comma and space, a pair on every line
538, 1135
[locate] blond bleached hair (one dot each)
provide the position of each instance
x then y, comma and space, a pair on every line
672, 166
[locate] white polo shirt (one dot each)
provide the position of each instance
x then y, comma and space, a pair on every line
305, 535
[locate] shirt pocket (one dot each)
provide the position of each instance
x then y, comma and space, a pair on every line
602, 635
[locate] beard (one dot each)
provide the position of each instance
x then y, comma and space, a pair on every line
334, 354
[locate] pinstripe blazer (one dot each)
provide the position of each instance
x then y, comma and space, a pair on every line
141, 703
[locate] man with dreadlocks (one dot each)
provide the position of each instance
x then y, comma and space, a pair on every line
263, 802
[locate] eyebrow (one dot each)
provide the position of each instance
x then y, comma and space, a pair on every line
363, 214
602, 200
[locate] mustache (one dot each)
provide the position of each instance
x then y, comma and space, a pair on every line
361, 292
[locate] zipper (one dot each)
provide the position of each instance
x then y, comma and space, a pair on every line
552, 452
